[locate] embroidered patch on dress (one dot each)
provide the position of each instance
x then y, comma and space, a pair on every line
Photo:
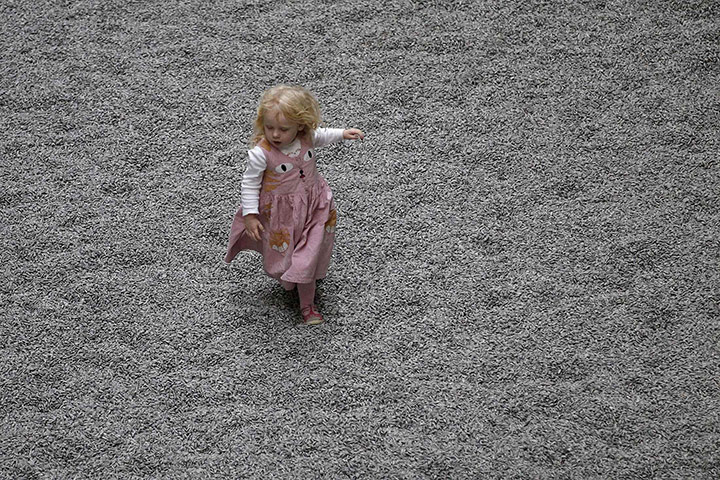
332, 222
266, 210
284, 168
279, 241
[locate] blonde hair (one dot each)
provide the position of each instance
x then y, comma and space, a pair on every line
295, 103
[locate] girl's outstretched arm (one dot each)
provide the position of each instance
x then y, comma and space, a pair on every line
353, 134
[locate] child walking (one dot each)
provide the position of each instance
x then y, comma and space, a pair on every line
288, 211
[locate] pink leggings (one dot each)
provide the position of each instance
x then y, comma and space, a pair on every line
306, 291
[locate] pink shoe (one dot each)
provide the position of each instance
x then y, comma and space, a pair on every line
311, 316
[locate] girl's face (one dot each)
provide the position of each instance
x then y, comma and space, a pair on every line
278, 130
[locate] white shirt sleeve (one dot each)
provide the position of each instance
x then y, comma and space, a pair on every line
325, 136
252, 180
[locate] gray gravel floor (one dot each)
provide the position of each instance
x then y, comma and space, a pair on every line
525, 282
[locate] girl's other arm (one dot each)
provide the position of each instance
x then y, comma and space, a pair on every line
252, 181
250, 193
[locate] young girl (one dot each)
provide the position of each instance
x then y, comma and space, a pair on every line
288, 212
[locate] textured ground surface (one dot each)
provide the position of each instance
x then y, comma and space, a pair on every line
525, 283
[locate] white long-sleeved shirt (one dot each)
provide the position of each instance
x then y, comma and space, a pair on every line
257, 163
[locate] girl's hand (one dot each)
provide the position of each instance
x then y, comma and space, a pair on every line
353, 134
253, 227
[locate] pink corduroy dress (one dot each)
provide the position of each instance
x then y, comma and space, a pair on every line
298, 213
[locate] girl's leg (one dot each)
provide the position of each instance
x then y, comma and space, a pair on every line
306, 291
287, 285
307, 294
